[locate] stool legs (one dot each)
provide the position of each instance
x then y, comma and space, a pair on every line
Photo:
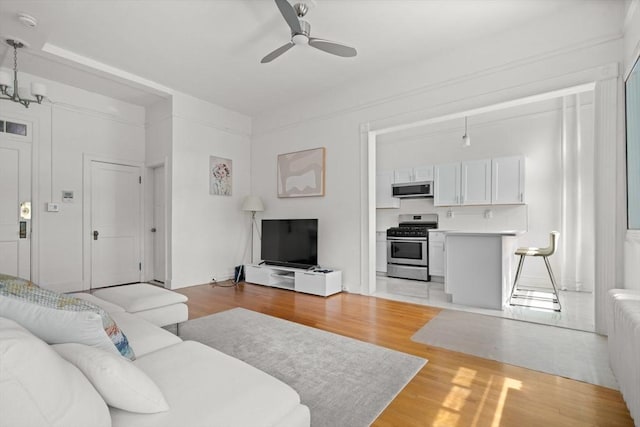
556, 297
518, 272
553, 283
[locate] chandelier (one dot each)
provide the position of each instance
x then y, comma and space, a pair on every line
9, 90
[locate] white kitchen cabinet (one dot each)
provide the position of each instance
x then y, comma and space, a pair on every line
507, 180
381, 251
384, 198
447, 184
476, 182
436, 253
401, 176
417, 174
423, 173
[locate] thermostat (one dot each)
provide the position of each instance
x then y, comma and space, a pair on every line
67, 196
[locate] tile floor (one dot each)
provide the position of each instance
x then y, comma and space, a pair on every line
577, 307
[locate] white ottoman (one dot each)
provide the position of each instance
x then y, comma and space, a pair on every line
157, 305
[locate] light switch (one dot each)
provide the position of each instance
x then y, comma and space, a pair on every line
53, 207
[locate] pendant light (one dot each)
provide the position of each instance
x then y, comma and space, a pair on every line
9, 89
466, 140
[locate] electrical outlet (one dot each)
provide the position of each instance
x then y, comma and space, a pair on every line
53, 207
450, 214
488, 214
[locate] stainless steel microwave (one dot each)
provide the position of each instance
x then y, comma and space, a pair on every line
412, 190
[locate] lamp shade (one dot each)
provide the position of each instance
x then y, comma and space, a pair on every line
252, 204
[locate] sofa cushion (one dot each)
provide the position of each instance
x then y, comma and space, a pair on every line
106, 305
144, 336
205, 387
58, 318
120, 383
140, 296
167, 315
39, 388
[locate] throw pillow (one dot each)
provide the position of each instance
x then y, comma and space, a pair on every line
120, 383
57, 318
40, 388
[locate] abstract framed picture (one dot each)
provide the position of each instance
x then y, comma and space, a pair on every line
220, 173
302, 173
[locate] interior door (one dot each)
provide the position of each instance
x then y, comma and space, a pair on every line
159, 225
115, 224
15, 220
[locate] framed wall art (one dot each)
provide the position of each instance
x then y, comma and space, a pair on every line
302, 173
220, 172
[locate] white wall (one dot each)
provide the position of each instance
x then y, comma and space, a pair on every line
631, 53
533, 131
209, 233
158, 148
543, 56
83, 122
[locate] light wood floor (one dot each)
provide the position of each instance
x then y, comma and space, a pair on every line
452, 389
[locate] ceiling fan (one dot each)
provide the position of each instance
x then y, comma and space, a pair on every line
300, 33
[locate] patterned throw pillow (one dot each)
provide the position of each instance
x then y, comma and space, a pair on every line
58, 318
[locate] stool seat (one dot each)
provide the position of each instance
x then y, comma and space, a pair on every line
153, 303
534, 251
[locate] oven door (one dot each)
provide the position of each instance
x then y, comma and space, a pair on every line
407, 251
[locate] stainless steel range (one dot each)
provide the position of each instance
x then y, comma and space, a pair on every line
408, 247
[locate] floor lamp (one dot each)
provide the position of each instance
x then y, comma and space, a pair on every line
252, 204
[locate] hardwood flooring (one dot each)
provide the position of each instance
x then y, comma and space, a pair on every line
452, 389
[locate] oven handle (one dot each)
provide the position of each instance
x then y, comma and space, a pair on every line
405, 239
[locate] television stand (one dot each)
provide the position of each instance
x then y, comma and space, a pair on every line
295, 279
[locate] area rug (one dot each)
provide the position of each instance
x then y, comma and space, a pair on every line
344, 382
569, 353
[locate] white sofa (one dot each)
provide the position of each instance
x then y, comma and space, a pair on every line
202, 386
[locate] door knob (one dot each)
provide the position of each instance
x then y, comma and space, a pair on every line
95, 234
153, 230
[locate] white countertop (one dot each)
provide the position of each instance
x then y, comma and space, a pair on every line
483, 233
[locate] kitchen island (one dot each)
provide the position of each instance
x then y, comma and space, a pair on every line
479, 267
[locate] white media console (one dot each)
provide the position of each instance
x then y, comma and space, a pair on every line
295, 279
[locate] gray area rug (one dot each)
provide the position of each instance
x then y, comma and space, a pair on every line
344, 382
569, 353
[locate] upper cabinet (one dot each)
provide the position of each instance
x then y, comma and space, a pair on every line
384, 199
417, 174
507, 180
447, 184
476, 182
498, 181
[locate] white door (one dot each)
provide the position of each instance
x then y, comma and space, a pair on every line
447, 185
476, 182
115, 224
15, 223
158, 225
508, 180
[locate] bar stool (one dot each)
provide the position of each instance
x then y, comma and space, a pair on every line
545, 253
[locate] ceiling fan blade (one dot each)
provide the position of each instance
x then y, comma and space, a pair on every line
333, 47
279, 51
289, 14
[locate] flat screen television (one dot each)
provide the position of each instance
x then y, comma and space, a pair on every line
290, 242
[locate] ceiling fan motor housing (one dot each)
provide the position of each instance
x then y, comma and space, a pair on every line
303, 37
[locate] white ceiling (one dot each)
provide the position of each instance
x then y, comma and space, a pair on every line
211, 49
